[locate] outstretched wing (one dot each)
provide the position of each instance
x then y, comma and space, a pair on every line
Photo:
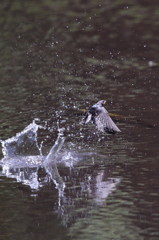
104, 123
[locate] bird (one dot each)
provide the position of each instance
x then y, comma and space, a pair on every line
99, 116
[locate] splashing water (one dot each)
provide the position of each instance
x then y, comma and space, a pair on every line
17, 163
56, 147
23, 157
50, 162
24, 143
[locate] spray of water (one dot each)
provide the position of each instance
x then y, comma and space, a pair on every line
23, 143
20, 165
23, 157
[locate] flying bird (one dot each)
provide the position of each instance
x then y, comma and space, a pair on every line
99, 116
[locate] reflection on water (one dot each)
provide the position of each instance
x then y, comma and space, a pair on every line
102, 188
57, 58
27, 176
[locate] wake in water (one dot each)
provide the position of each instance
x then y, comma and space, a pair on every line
23, 157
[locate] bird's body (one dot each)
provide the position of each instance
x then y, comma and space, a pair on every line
99, 116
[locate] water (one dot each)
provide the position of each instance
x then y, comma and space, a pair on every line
67, 180
18, 162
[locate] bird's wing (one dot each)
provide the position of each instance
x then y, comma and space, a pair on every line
87, 118
104, 123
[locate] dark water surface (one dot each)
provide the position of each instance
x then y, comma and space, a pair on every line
57, 58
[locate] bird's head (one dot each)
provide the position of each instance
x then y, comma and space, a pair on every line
99, 104
102, 102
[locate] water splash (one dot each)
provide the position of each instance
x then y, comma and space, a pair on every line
26, 169
57, 146
24, 143
23, 157
50, 162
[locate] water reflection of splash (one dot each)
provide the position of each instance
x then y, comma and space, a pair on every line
27, 176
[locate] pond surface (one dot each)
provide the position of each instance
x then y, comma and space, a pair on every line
57, 59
